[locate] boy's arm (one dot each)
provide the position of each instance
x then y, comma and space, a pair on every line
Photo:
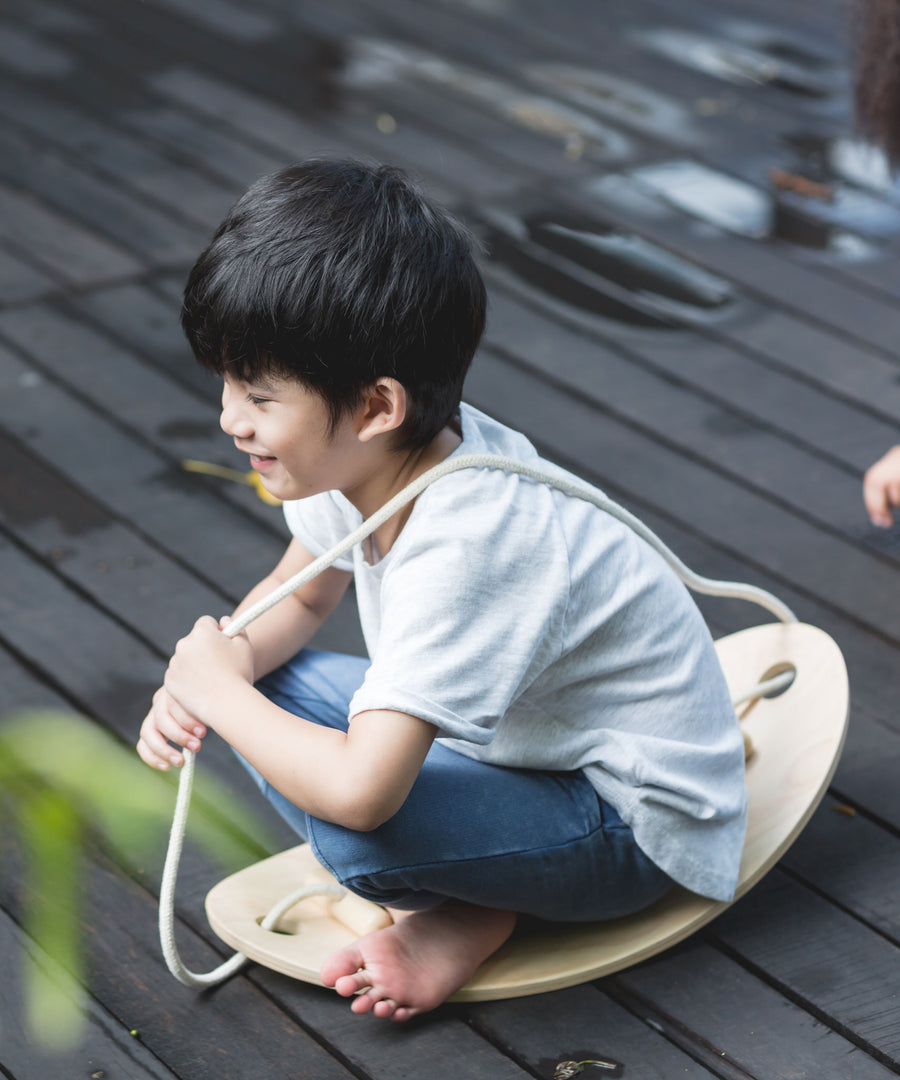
285, 628
275, 637
357, 779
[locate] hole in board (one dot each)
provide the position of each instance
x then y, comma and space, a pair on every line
274, 929
785, 667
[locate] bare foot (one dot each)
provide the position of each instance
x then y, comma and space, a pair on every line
417, 963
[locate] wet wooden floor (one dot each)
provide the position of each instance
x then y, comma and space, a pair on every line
673, 315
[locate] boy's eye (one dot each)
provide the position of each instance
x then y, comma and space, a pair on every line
254, 400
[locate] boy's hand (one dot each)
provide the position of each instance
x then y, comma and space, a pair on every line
881, 488
206, 666
168, 723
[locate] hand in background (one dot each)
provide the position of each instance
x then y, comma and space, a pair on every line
881, 488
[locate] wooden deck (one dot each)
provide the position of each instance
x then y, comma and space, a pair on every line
726, 362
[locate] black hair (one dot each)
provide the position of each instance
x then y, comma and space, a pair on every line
337, 273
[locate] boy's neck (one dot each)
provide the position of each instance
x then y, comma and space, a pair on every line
393, 474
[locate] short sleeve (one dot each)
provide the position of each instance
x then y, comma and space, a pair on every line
320, 522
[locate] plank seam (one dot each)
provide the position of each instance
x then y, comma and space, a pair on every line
817, 890
701, 1050
484, 1032
99, 1005
796, 998
574, 324
655, 436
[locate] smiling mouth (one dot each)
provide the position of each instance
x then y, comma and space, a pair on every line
260, 462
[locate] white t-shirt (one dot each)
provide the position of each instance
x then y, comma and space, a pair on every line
536, 631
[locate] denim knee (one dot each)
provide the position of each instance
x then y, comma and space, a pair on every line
358, 865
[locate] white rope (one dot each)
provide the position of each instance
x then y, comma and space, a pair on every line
583, 491
167, 895
579, 490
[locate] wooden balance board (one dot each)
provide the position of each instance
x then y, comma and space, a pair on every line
796, 737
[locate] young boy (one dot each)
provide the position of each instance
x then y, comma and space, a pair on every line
542, 726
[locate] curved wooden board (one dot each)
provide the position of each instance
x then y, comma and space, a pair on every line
797, 738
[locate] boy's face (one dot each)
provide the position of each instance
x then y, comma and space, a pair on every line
285, 430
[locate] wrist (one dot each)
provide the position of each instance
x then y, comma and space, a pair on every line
228, 701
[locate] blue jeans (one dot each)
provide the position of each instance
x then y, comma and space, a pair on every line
540, 843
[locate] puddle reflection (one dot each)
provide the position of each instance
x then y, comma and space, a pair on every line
594, 267
774, 62
620, 100
828, 218
372, 63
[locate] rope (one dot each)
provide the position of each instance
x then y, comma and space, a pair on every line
579, 490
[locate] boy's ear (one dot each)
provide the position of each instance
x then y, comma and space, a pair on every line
383, 409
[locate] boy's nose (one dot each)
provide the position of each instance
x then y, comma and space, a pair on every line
235, 425
233, 420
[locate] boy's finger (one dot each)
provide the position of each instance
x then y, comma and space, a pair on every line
160, 729
150, 758
159, 747
171, 729
875, 497
184, 718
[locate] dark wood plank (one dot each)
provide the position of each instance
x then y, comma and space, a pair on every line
742, 1019
609, 43
21, 282
23, 689
108, 672
234, 1032
119, 233
575, 350
703, 419
867, 771
438, 1045
57, 245
787, 338
581, 1024
138, 484
102, 1047
260, 121
160, 180
854, 862
147, 324
821, 957
199, 140
117, 569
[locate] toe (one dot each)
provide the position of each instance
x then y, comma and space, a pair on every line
340, 964
347, 985
363, 1004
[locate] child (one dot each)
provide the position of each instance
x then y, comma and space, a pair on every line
542, 726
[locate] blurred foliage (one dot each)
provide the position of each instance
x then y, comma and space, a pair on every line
66, 782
